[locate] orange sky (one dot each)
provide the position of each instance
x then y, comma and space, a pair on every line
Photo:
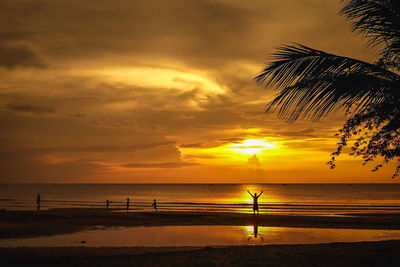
162, 91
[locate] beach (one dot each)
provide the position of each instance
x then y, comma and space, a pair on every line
383, 253
27, 224
197, 225
21, 224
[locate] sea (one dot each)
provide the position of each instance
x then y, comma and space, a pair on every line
287, 199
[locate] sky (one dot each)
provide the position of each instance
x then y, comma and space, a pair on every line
162, 91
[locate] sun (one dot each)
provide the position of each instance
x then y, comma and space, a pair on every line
237, 152
252, 146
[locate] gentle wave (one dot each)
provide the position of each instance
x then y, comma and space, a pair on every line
132, 202
273, 208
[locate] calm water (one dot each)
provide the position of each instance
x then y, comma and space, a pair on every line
320, 199
202, 235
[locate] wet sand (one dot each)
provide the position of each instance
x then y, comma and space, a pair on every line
21, 224
384, 253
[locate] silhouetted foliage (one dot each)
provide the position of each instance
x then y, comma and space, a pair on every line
312, 84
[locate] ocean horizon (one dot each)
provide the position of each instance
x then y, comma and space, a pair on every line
285, 198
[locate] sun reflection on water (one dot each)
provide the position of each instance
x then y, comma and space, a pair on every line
249, 229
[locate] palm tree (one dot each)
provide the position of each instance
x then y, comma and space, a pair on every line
312, 84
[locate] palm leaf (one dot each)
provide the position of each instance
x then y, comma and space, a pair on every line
313, 83
377, 20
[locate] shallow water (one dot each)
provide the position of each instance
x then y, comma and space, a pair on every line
312, 199
201, 236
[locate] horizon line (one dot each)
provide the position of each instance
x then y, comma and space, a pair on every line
286, 183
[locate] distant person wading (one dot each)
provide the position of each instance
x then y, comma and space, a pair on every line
38, 201
255, 201
155, 205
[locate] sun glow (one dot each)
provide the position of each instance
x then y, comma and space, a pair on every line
247, 152
163, 78
251, 146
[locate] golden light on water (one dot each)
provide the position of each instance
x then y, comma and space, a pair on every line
245, 197
249, 229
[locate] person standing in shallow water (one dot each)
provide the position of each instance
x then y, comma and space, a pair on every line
38, 201
255, 201
127, 204
155, 205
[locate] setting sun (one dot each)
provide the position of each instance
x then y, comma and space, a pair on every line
252, 146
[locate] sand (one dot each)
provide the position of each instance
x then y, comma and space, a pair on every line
21, 224
384, 253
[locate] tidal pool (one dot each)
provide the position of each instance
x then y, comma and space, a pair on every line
201, 236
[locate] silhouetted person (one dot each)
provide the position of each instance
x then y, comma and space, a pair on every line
255, 201
127, 204
107, 204
38, 201
155, 205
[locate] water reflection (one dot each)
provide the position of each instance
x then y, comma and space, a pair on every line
255, 234
201, 236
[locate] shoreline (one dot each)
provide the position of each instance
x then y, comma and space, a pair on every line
24, 224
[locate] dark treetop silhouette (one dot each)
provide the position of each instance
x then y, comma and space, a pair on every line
313, 83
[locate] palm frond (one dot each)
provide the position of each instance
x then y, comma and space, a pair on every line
377, 20
314, 83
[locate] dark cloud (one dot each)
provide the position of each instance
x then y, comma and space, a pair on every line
78, 115
18, 56
205, 156
180, 28
19, 167
101, 148
37, 110
116, 123
201, 33
193, 145
232, 140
